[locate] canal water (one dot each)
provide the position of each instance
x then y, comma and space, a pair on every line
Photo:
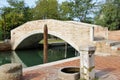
35, 56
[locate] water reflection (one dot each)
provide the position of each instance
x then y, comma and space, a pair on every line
5, 57
16, 59
35, 57
30, 57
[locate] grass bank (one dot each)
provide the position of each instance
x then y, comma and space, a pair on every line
53, 41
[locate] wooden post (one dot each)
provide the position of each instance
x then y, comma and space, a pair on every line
45, 54
65, 56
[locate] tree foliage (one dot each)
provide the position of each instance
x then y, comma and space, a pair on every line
77, 10
17, 13
109, 15
46, 9
65, 11
81, 9
14, 15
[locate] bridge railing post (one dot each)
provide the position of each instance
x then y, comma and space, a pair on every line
87, 65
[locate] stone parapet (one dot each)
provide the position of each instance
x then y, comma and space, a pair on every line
28, 34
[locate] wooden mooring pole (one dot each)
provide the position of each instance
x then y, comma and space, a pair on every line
45, 54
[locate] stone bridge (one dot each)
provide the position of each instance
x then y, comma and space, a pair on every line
74, 33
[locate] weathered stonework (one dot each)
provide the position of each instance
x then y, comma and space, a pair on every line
5, 46
72, 32
102, 47
87, 65
12, 71
69, 73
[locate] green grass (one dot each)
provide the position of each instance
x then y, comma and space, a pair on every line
1, 41
52, 41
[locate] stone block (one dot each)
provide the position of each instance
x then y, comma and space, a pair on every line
11, 71
69, 73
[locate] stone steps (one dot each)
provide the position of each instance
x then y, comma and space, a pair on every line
112, 43
108, 46
116, 47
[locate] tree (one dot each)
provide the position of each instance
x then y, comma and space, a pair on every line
27, 14
65, 11
1, 28
82, 9
46, 9
3, 21
109, 15
14, 15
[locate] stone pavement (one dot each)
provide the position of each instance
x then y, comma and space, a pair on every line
107, 68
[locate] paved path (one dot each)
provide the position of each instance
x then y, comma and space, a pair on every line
107, 68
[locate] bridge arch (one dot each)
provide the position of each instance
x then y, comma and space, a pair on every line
28, 34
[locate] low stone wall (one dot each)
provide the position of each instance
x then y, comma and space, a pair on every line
5, 46
114, 35
101, 32
103, 48
11, 72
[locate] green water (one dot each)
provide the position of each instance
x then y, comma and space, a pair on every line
35, 57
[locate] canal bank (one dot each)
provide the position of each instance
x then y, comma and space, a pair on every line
55, 53
5, 46
107, 68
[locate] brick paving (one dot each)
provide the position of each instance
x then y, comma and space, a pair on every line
107, 64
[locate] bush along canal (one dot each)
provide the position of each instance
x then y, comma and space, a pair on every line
34, 57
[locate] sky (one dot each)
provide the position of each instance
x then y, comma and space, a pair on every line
30, 3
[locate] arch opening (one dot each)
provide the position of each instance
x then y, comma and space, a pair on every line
36, 41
